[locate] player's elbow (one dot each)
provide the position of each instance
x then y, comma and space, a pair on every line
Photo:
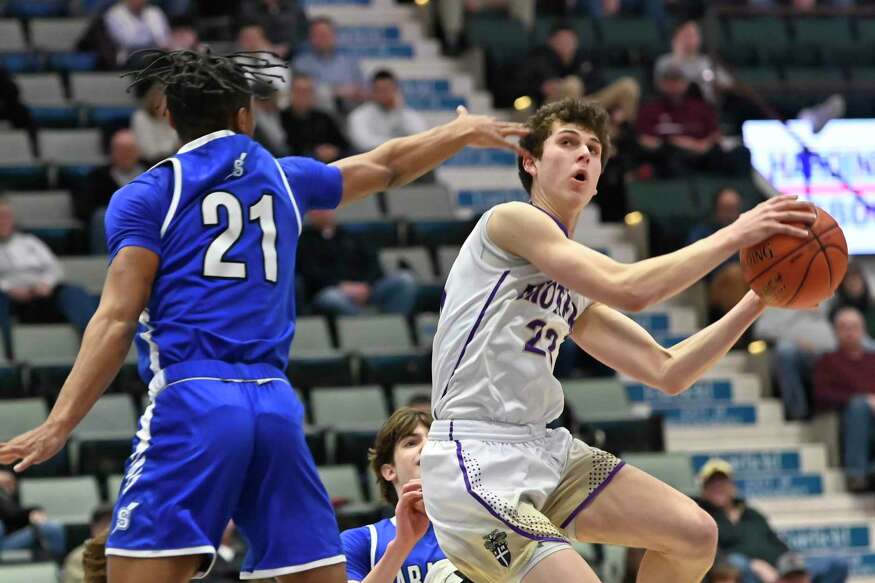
673, 386
632, 300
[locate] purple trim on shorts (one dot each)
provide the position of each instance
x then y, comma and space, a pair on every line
451, 430
483, 503
474, 329
588, 500
555, 220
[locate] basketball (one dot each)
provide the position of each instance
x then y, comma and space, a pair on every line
789, 272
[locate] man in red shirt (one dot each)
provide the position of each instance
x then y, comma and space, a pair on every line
678, 132
845, 379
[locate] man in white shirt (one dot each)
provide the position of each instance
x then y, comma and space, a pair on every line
383, 117
31, 282
133, 25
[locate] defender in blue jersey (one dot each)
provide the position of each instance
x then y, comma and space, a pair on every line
401, 549
202, 250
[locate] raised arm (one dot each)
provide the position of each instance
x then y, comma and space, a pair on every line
403, 160
104, 347
617, 341
634, 286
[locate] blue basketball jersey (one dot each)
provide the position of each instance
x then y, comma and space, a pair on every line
366, 545
224, 217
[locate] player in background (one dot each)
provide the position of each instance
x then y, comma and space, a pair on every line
504, 493
202, 250
401, 549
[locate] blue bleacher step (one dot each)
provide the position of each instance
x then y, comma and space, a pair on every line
363, 35
435, 102
749, 414
412, 87
749, 463
483, 157
780, 508
724, 390
818, 539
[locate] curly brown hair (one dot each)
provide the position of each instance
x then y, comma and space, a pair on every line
94, 559
574, 110
401, 424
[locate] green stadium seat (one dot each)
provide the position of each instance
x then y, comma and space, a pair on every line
598, 399
313, 361
663, 200
766, 36
585, 28
503, 39
761, 77
632, 34
113, 487
20, 415
401, 394
32, 573
101, 443
312, 334
415, 260
349, 495
348, 407
67, 500
434, 233
706, 186
672, 468
819, 78
369, 333
88, 272
611, 74
50, 349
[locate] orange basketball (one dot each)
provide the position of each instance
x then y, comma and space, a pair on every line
790, 272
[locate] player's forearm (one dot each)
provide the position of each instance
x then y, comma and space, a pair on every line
410, 157
656, 279
386, 569
694, 356
104, 347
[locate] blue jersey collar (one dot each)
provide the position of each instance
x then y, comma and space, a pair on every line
204, 140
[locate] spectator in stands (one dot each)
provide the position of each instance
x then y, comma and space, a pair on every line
723, 573
31, 282
726, 284
744, 535
420, 402
74, 567
134, 25
269, 129
793, 569
284, 22
309, 130
698, 68
678, 133
451, 15
404, 546
26, 528
155, 137
328, 66
799, 338
854, 291
383, 117
12, 111
251, 37
183, 36
342, 274
100, 184
559, 69
845, 380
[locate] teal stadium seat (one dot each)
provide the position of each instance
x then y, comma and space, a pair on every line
30, 573
672, 468
67, 500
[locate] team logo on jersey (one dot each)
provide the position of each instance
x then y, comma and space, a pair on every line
123, 520
238, 167
496, 543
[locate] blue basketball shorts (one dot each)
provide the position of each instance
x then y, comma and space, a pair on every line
212, 449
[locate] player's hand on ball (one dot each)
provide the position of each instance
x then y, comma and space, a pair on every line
483, 131
410, 518
33, 447
779, 215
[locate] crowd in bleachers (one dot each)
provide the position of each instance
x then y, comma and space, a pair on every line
370, 280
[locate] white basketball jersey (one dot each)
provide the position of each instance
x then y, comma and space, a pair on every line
501, 324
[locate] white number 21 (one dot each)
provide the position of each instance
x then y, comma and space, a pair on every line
215, 264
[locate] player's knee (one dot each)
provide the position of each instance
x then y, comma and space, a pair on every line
700, 535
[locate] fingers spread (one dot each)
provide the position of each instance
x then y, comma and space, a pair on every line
25, 463
462, 110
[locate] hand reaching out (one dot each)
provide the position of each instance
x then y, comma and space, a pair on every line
483, 131
410, 518
772, 217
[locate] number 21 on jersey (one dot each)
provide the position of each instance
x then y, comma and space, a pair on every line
215, 264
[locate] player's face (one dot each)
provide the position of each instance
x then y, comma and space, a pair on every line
570, 164
407, 455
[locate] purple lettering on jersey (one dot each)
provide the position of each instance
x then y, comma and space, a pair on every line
547, 295
531, 292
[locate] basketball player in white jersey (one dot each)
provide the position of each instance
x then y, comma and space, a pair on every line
505, 494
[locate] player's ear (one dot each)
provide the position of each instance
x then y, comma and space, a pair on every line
388, 472
529, 165
244, 121
170, 119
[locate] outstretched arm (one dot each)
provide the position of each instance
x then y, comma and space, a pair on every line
104, 347
402, 160
635, 286
619, 342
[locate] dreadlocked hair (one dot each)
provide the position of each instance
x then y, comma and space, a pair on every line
204, 91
